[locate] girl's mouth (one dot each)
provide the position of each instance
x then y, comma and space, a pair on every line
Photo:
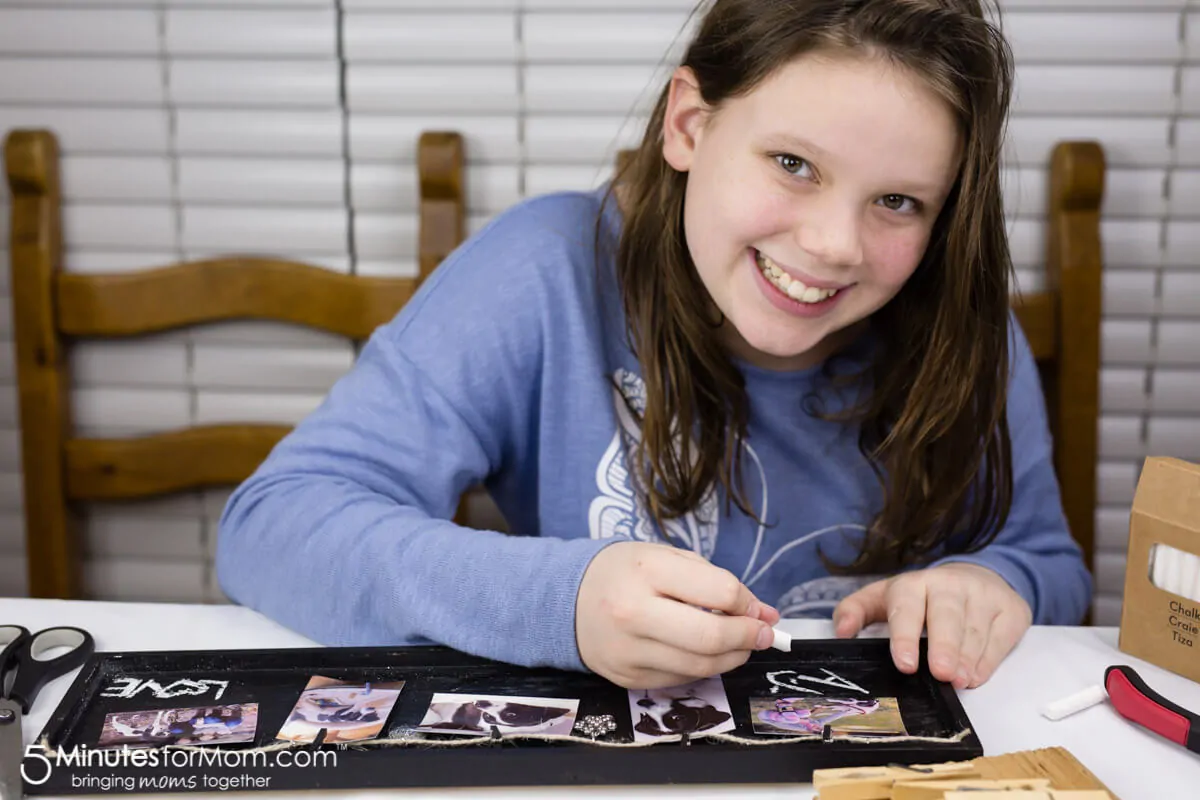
793, 288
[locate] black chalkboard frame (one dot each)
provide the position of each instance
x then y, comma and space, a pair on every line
64, 759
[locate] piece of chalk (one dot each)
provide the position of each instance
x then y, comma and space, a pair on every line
1091, 696
782, 641
1158, 558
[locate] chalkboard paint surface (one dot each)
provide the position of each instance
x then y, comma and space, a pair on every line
936, 725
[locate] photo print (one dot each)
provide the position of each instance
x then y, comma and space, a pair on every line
230, 724
475, 714
788, 716
696, 708
349, 712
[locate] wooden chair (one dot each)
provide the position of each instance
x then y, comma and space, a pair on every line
1062, 323
52, 308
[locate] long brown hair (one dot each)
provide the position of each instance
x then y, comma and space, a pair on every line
933, 422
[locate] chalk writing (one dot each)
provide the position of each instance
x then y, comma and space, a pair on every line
131, 687
779, 682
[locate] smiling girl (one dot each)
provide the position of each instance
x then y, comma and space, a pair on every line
771, 369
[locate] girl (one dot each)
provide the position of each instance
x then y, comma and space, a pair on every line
770, 369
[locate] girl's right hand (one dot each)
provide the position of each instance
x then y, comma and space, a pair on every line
640, 620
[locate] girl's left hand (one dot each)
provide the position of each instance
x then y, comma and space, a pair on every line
974, 619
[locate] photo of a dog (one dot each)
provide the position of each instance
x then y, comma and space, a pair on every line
180, 726
475, 715
697, 709
844, 715
349, 712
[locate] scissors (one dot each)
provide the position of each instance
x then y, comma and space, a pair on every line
23, 673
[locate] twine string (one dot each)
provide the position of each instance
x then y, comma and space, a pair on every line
416, 739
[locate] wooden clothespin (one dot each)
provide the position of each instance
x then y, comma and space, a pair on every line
1044, 794
875, 783
938, 789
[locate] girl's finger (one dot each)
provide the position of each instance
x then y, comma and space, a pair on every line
699, 583
976, 634
697, 632
946, 619
657, 657
906, 620
1006, 631
768, 614
649, 679
858, 610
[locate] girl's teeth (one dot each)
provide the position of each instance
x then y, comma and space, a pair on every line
790, 286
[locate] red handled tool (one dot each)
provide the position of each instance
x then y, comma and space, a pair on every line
1136, 701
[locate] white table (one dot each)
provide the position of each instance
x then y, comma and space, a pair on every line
1050, 663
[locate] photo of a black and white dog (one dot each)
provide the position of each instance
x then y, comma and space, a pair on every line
476, 715
697, 709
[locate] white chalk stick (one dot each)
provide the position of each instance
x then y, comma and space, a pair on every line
1196, 581
1091, 696
1158, 562
1187, 580
1175, 572
782, 641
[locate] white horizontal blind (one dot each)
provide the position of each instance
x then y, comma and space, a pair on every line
188, 129
195, 127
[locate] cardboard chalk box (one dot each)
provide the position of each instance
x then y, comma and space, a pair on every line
1160, 615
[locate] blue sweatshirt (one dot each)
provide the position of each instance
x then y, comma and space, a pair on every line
510, 367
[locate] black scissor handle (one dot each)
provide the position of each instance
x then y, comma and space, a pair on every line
34, 672
11, 637
10, 634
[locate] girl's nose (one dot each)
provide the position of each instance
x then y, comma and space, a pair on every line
831, 235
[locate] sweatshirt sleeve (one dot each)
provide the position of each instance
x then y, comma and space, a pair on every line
1035, 552
343, 533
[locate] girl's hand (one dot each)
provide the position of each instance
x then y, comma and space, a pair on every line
974, 619
640, 618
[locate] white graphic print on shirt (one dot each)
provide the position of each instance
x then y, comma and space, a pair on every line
617, 511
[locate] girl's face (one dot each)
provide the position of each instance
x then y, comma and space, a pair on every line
810, 201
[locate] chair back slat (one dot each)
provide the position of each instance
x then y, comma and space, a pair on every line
163, 463
188, 294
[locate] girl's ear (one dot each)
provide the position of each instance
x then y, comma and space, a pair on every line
683, 120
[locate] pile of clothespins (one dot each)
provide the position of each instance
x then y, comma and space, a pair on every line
959, 780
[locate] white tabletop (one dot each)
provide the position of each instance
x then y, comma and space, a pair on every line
1050, 663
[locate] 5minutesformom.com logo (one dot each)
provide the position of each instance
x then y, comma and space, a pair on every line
39, 765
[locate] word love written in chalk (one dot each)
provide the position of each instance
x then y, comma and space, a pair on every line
131, 687
785, 680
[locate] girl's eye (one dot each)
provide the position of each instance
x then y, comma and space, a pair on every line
791, 164
896, 202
